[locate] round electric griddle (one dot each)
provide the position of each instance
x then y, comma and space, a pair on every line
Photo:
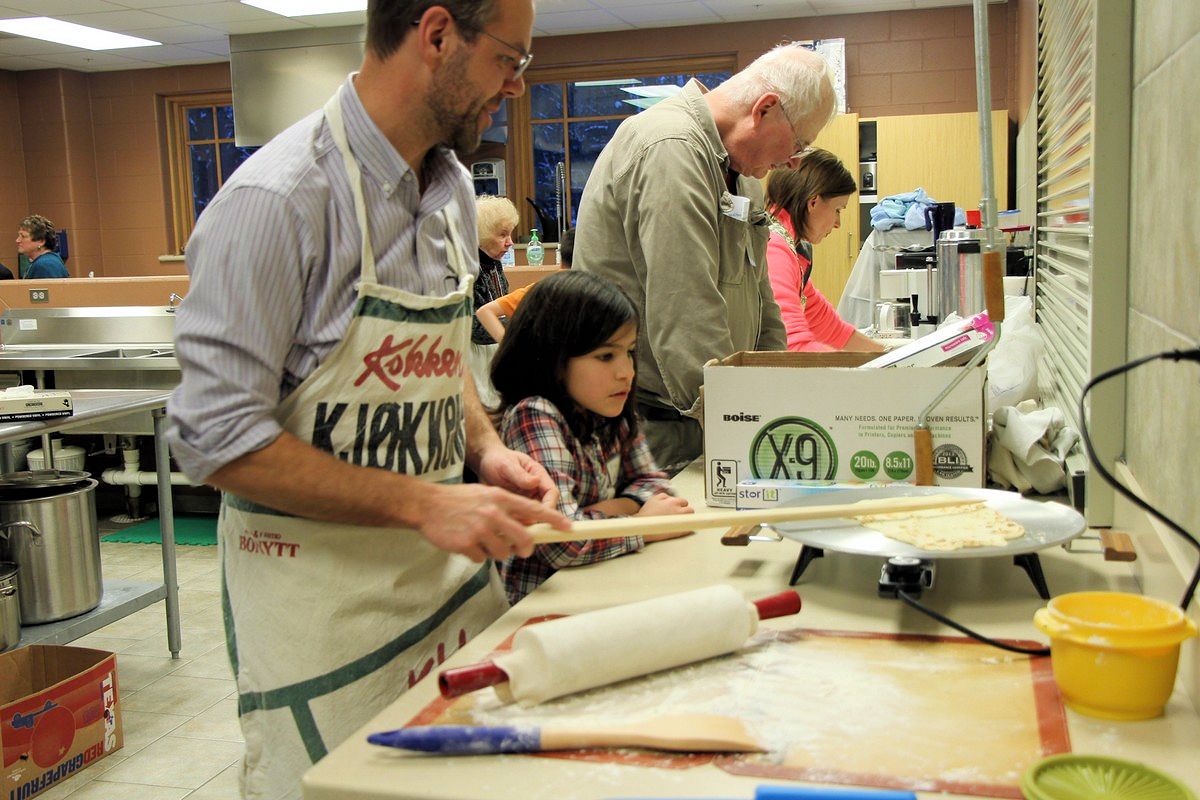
1046, 524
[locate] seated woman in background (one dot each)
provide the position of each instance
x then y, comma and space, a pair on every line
805, 205
497, 217
36, 240
495, 315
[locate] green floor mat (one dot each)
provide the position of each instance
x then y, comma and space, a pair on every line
197, 530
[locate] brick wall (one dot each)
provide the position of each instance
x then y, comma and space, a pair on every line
88, 149
13, 194
89, 154
897, 62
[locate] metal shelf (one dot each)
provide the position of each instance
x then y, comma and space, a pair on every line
120, 599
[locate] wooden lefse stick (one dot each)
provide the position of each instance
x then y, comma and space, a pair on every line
678, 523
923, 455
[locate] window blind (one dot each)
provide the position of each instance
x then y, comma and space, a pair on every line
1081, 231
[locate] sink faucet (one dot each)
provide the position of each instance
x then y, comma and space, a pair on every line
172, 301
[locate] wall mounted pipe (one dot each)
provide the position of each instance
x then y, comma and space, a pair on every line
120, 477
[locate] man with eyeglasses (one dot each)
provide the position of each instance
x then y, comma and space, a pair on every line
323, 345
673, 213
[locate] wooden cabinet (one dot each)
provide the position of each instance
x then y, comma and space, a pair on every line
937, 152
833, 258
940, 153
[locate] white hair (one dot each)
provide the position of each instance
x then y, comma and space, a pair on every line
494, 213
800, 76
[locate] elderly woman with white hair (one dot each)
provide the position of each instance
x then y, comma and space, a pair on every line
497, 217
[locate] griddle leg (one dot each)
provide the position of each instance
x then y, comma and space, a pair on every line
1033, 566
807, 555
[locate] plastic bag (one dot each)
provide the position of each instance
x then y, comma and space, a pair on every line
1013, 364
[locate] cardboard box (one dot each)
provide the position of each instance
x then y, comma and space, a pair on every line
24, 403
59, 712
815, 417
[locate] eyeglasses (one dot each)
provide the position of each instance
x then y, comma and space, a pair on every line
519, 65
799, 142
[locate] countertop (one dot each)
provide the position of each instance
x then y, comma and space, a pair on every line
90, 406
839, 592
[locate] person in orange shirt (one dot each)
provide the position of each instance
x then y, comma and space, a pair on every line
494, 316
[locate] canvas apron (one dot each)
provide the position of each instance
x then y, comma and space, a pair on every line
327, 623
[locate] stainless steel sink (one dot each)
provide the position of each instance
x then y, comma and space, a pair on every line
130, 352
36, 353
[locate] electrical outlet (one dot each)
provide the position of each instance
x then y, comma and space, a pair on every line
39, 295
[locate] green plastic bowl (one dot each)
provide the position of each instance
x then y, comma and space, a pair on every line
1082, 777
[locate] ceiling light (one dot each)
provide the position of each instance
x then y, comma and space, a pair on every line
307, 8
68, 33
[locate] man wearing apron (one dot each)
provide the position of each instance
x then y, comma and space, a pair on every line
323, 346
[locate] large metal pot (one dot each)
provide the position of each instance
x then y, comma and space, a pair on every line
50, 532
10, 607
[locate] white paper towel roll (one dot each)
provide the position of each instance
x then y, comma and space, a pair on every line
572, 654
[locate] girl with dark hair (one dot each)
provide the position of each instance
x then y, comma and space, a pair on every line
805, 206
565, 374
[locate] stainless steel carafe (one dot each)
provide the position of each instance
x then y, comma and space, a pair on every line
959, 274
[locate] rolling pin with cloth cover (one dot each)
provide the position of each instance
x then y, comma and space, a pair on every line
581, 652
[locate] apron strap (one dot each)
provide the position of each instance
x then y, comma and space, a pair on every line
337, 127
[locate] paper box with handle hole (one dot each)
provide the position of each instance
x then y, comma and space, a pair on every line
59, 713
817, 417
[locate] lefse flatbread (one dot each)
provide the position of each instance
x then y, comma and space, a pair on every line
971, 524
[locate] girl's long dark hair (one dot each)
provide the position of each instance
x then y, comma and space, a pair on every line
565, 315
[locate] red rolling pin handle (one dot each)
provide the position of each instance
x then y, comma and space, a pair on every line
455, 682
778, 605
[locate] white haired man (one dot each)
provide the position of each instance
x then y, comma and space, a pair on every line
673, 213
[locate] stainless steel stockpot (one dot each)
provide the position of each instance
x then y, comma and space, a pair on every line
51, 534
10, 607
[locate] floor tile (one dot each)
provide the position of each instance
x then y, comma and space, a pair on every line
144, 728
213, 664
136, 671
111, 790
208, 581
71, 785
174, 694
223, 787
218, 722
196, 642
179, 762
100, 641
130, 628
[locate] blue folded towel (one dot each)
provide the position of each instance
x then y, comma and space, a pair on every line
907, 209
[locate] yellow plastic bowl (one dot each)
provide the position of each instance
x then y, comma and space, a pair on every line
1114, 655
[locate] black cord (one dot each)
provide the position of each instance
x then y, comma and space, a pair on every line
1172, 355
1012, 648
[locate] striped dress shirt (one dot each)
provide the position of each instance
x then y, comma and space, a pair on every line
274, 260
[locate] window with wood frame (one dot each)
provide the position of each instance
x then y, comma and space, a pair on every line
202, 155
569, 113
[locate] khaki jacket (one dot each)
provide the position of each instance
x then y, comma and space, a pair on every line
651, 221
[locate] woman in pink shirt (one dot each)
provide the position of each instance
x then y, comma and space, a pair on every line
805, 205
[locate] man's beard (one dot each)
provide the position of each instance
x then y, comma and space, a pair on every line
457, 129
